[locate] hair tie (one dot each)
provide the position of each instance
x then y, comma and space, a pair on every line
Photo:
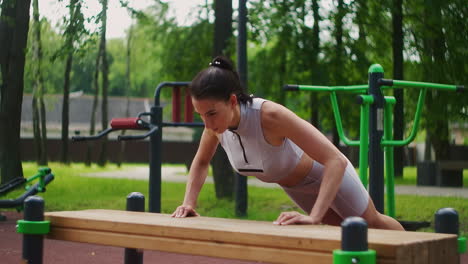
219, 63
215, 63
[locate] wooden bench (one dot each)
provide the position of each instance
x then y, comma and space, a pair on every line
450, 173
242, 239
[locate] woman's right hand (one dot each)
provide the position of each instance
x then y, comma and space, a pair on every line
184, 211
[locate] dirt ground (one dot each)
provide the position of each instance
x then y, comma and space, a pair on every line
57, 252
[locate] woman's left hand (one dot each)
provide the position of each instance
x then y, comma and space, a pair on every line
289, 218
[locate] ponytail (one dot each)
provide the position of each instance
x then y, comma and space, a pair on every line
218, 81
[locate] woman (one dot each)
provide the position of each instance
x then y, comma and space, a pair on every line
268, 141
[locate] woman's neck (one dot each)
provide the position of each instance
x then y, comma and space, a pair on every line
235, 118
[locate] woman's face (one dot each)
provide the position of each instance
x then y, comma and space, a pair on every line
218, 115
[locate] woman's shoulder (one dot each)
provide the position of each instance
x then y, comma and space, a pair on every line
272, 112
272, 108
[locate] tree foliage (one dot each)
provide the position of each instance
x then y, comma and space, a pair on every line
289, 42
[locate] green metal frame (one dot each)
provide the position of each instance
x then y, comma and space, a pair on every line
33, 227
388, 150
461, 245
41, 173
388, 143
348, 257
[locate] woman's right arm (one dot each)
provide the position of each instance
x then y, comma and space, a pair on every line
197, 174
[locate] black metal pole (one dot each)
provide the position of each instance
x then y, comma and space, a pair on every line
155, 161
33, 244
135, 203
376, 126
241, 181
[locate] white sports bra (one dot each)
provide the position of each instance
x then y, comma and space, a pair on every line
250, 154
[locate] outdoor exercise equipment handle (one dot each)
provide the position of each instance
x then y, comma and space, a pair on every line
291, 87
332, 90
157, 93
317, 88
134, 123
417, 115
136, 137
15, 182
98, 136
390, 84
13, 203
336, 110
11, 185
128, 123
385, 84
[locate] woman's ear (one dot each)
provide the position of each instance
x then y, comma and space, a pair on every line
233, 100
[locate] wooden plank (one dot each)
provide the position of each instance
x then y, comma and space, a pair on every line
194, 247
225, 237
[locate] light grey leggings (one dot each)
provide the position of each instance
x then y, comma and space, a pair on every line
351, 200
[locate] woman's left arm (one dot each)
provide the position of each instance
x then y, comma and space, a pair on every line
282, 122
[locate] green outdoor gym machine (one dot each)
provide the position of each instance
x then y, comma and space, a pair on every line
376, 125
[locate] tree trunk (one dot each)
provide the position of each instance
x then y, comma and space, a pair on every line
222, 27
441, 143
38, 107
223, 174
362, 20
339, 59
36, 123
427, 147
42, 113
105, 84
437, 123
282, 53
66, 87
399, 123
13, 41
92, 125
66, 109
280, 47
314, 116
127, 91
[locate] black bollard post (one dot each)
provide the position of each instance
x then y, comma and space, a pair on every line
135, 203
447, 222
33, 228
354, 247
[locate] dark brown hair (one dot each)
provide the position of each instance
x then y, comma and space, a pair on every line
218, 81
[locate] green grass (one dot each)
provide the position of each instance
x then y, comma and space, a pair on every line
70, 191
410, 173
410, 177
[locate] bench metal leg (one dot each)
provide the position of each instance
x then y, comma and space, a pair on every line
33, 243
135, 203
